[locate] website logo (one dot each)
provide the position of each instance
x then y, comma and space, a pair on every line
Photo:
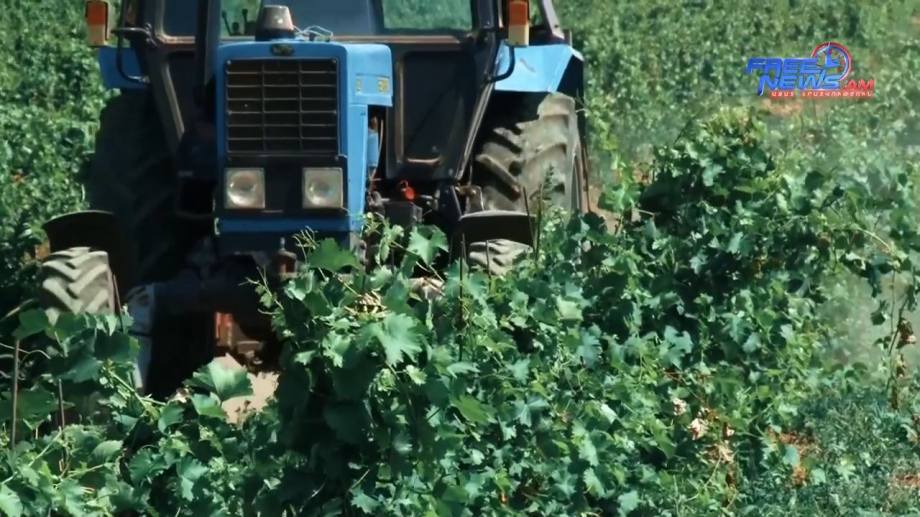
825, 74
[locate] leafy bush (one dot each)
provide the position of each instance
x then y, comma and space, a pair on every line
654, 66
855, 455
51, 96
656, 368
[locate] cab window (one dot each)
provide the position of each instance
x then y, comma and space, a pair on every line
179, 17
238, 19
427, 15
342, 17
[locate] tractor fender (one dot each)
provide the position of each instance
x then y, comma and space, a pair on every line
112, 77
97, 230
490, 225
541, 69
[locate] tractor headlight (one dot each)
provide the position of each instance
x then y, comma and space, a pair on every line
323, 187
245, 188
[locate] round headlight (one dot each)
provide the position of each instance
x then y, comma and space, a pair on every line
322, 188
245, 188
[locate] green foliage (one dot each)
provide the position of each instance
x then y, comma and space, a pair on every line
654, 66
857, 454
661, 368
427, 15
51, 100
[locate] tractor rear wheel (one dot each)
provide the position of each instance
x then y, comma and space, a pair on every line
133, 176
529, 159
77, 280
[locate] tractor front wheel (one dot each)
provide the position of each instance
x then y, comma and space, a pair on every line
77, 280
80, 281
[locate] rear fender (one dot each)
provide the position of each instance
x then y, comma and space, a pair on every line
97, 230
492, 225
541, 69
112, 77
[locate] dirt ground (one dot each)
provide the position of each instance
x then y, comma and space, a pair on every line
263, 387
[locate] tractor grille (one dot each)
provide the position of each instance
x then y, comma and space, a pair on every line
282, 107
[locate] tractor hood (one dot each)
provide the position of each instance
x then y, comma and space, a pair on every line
287, 105
366, 70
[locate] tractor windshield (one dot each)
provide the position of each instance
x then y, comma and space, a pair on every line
341, 17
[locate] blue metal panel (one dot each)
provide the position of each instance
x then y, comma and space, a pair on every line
356, 151
365, 79
367, 69
108, 67
537, 69
373, 149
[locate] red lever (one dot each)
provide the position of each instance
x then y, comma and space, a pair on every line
407, 191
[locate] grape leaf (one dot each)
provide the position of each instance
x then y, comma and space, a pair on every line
208, 406
398, 336
145, 465
593, 483
589, 349
107, 450
364, 502
169, 416
31, 323
426, 242
472, 409
34, 405
791, 456
190, 471
223, 382
10, 504
628, 502
330, 256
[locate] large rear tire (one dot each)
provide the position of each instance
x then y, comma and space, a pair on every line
529, 159
132, 175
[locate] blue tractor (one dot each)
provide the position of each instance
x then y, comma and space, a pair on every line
241, 124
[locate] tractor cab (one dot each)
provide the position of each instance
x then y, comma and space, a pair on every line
241, 124
387, 91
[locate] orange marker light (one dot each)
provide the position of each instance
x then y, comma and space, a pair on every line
519, 23
223, 329
407, 191
97, 22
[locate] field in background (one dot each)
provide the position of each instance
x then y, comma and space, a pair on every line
656, 66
